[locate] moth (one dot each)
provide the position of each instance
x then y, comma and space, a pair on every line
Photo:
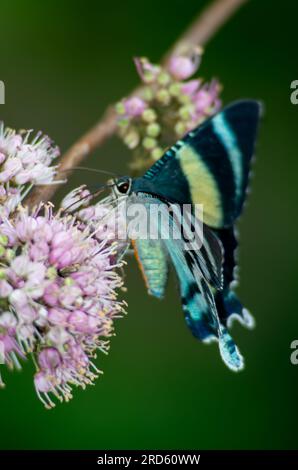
209, 166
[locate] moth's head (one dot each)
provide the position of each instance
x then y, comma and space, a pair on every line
122, 186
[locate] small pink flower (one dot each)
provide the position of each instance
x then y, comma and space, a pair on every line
87, 214
79, 321
134, 106
51, 294
77, 198
18, 299
69, 295
49, 358
25, 228
60, 258
8, 320
189, 88
2, 157
61, 239
42, 382
183, 67
9, 344
9, 141
5, 289
207, 98
57, 316
10, 168
39, 251
203, 100
146, 70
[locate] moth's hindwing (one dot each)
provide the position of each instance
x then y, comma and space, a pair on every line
228, 305
153, 265
199, 308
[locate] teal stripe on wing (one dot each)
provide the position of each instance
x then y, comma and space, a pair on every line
228, 139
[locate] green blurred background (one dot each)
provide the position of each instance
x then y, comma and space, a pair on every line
63, 63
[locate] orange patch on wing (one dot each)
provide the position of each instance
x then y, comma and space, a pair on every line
139, 263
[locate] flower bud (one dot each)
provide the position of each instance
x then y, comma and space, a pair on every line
147, 71
68, 281
3, 240
9, 254
2, 274
175, 89
51, 273
184, 99
49, 358
42, 383
120, 108
153, 129
157, 153
149, 143
123, 122
147, 93
134, 106
163, 96
149, 115
182, 67
180, 128
132, 139
185, 112
164, 78
2, 157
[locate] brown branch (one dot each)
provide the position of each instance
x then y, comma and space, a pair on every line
206, 25
88, 142
202, 29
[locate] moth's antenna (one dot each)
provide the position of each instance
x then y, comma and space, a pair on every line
94, 170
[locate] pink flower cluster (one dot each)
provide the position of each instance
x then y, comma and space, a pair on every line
58, 298
23, 163
169, 105
107, 218
58, 273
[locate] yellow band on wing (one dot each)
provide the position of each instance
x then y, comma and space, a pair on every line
202, 185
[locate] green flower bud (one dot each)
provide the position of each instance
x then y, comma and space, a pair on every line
149, 143
148, 77
123, 122
132, 139
185, 112
120, 108
184, 99
153, 129
2, 274
157, 153
163, 96
149, 115
2, 251
68, 281
147, 94
3, 240
51, 273
175, 89
163, 78
9, 254
180, 128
